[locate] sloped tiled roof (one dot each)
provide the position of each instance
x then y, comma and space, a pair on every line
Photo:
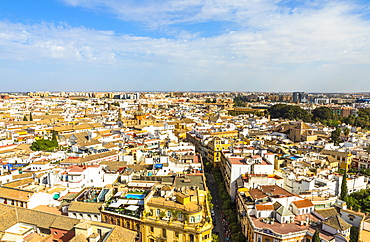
19, 183
40, 219
83, 207
10, 215
337, 223
8, 218
120, 234
15, 194
327, 212
303, 203
64, 223
79, 238
283, 211
331, 159
261, 207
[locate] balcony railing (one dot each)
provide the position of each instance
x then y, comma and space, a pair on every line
166, 204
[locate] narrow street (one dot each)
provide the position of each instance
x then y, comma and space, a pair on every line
212, 186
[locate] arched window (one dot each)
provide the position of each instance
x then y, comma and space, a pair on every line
191, 237
192, 219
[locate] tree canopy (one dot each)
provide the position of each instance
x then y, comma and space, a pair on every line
44, 144
343, 187
289, 112
335, 136
359, 200
316, 236
239, 101
322, 113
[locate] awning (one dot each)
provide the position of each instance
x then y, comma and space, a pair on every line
118, 203
118, 194
133, 202
132, 207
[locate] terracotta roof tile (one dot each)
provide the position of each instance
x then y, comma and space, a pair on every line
260, 207
303, 203
337, 223
120, 234
83, 207
16, 194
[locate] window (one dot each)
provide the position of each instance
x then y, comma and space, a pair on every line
192, 219
169, 214
152, 229
197, 219
191, 238
99, 232
158, 212
176, 234
179, 216
164, 232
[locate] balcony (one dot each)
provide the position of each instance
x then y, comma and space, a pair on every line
125, 212
194, 208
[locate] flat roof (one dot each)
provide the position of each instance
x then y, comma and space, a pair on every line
190, 180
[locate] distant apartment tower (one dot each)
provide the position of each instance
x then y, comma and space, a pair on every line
300, 97
127, 96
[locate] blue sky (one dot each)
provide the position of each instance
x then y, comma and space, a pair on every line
185, 45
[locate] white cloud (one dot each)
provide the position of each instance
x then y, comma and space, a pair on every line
167, 12
280, 43
329, 34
